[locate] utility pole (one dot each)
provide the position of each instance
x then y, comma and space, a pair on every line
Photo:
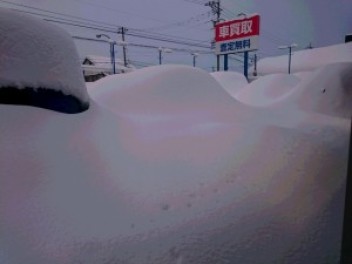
122, 31
245, 71
216, 9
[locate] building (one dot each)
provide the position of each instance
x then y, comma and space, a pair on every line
96, 67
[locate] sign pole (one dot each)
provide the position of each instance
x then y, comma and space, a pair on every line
218, 62
237, 36
255, 65
226, 62
245, 72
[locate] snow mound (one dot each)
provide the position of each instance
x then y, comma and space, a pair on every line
153, 173
230, 81
267, 90
172, 89
39, 65
328, 91
303, 75
96, 188
306, 60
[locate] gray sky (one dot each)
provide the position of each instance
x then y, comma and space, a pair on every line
320, 22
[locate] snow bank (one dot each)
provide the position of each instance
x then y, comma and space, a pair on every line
328, 91
39, 64
306, 60
267, 90
166, 90
303, 75
166, 167
119, 190
230, 81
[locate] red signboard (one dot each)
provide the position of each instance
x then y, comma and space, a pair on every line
239, 28
237, 35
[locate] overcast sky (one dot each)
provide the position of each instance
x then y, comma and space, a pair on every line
319, 22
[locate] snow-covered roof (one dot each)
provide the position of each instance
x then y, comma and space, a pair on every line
101, 64
100, 61
36, 54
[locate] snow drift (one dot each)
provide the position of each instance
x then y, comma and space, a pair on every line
306, 60
98, 188
267, 90
330, 91
166, 167
168, 87
327, 91
230, 81
168, 90
39, 65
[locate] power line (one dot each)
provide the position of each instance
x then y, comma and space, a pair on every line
81, 26
273, 37
55, 19
97, 25
151, 36
144, 45
55, 13
109, 8
166, 39
180, 23
90, 24
197, 2
165, 35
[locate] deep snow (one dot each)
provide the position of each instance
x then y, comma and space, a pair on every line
166, 167
231, 81
267, 90
305, 60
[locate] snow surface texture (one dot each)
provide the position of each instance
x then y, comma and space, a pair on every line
231, 81
327, 91
35, 54
305, 60
165, 187
142, 95
166, 167
267, 90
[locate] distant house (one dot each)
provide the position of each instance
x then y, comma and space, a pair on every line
96, 67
